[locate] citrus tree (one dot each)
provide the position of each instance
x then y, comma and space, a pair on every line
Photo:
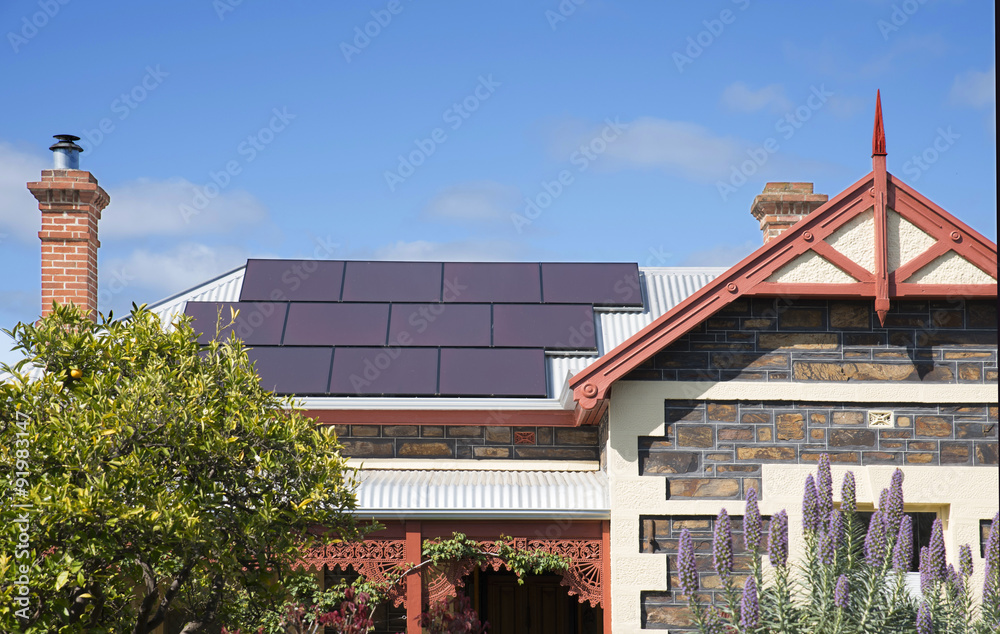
147, 477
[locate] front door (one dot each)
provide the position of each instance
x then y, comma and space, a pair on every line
540, 606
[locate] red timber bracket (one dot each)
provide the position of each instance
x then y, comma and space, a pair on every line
878, 191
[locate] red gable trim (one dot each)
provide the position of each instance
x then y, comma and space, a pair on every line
749, 277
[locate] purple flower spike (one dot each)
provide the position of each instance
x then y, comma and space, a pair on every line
824, 487
875, 540
810, 514
938, 561
752, 522
991, 587
687, 567
713, 622
902, 552
826, 549
836, 529
924, 623
749, 608
848, 494
927, 576
841, 594
965, 559
722, 546
777, 541
893, 512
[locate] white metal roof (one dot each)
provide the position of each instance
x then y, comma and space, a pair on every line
466, 494
662, 289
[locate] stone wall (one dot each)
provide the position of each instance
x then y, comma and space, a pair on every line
469, 442
761, 339
660, 534
715, 450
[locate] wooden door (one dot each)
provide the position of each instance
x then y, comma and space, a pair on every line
540, 606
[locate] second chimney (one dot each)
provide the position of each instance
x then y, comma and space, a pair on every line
782, 205
71, 202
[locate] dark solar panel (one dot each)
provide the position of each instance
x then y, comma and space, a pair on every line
329, 324
552, 326
584, 283
388, 371
492, 372
288, 370
440, 325
514, 282
392, 282
295, 280
258, 323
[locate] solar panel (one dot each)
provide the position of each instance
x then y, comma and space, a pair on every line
492, 372
392, 282
440, 325
492, 282
591, 283
551, 326
292, 370
295, 280
258, 323
388, 371
327, 324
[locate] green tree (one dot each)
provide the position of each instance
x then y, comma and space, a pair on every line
145, 474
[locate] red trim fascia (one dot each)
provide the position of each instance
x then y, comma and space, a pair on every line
946, 291
851, 290
963, 239
748, 277
932, 253
591, 385
532, 529
524, 418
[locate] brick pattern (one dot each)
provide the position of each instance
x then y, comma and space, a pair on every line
469, 442
781, 205
660, 534
70, 202
716, 449
784, 339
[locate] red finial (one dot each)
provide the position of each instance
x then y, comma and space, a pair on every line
878, 136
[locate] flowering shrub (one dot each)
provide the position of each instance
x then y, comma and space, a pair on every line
454, 617
851, 579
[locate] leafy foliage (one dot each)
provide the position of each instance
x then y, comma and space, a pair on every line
161, 477
852, 580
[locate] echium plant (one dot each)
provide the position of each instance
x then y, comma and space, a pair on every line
850, 577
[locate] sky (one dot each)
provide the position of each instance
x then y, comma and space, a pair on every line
545, 130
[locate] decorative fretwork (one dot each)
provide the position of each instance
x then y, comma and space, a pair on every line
382, 561
378, 560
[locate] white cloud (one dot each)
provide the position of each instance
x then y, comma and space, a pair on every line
143, 207
177, 207
471, 250
164, 272
18, 208
675, 146
975, 89
477, 202
741, 98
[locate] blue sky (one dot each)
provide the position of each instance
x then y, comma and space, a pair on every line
419, 130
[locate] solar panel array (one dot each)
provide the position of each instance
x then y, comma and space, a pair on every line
333, 328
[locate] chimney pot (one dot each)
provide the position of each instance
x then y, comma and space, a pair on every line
66, 153
781, 205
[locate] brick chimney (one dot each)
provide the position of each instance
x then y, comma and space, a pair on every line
71, 202
782, 205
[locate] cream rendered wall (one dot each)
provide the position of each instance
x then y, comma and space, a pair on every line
636, 409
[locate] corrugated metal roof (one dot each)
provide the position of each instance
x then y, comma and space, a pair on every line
225, 288
662, 288
483, 494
